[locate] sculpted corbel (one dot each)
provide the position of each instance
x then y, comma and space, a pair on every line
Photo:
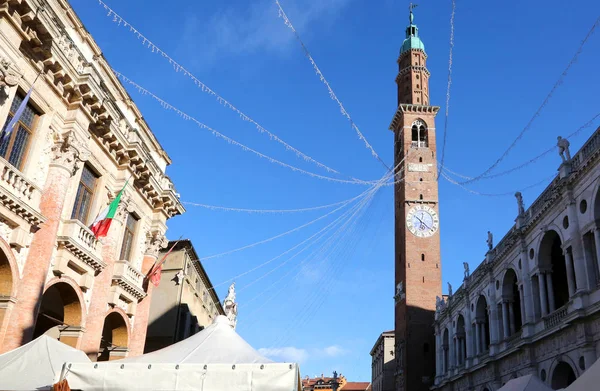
154, 243
9, 75
68, 152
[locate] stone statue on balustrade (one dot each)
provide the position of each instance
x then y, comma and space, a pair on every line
519, 198
563, 149
449, 290
466, 266
230, 306
490, 241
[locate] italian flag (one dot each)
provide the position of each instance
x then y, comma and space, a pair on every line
102, 223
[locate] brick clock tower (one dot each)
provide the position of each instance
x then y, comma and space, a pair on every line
417, 259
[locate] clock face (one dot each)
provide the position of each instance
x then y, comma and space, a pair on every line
422, 221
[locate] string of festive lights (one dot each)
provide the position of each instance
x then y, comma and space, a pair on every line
542, 106
120, 21
264, 211
320, 235
508, 193
368, 196
575, 133
332, 94
448, 88
324, 284
324, 250
165, 105
376, 186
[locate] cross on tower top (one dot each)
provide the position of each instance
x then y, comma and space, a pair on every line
411, 6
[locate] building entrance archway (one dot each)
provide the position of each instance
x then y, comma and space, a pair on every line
7, 293
60, 314
115, 338
562, 376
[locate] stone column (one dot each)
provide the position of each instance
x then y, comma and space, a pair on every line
522, 302
494, 325
543, 297
444, 359
511, 315
597, 242
578, 261
138, 339
65, 154
478, 337
99, 306
452, 351
550, 289
438, 353
570, 276
505, 320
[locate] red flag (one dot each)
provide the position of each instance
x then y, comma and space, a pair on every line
155, 276
155, 272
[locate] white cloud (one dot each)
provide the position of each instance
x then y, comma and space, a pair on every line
253, 28
334, 351
287, 354
300, 355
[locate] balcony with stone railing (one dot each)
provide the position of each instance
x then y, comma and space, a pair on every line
18, 194
129, 278
555, 318
78, 240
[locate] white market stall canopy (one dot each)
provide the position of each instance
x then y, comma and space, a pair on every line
37, 365
525, 383
215, 359
590, 380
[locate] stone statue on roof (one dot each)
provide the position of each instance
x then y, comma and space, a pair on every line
563, 149
519, 198
466, 266
490, 241
449, 289
230, 306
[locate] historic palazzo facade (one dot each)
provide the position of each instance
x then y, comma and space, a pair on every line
533, 305
79, 141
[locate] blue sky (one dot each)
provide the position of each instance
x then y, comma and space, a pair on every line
327, 312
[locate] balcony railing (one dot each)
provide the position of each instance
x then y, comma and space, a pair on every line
129, 278
20, 194
418, 144
555, 318
79, 240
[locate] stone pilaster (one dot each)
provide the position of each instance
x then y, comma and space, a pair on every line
138, 338
66, 153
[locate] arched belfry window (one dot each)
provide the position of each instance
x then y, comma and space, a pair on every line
419, 134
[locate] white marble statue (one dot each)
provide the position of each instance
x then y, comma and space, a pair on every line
466, 266
230, 306
563, 149
490, 241
449, 289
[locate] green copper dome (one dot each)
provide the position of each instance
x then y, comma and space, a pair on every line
412, 40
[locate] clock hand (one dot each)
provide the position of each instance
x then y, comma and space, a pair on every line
422, 222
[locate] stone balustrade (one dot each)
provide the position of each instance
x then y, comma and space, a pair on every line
19, 194
555, 318
129, 278
81, 242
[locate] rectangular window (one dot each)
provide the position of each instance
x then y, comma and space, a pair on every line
128, 237
85, 193
14, 148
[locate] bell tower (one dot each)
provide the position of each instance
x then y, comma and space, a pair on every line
417, 248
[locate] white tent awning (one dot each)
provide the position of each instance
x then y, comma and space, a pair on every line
216, 344
36, 365
525, 383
